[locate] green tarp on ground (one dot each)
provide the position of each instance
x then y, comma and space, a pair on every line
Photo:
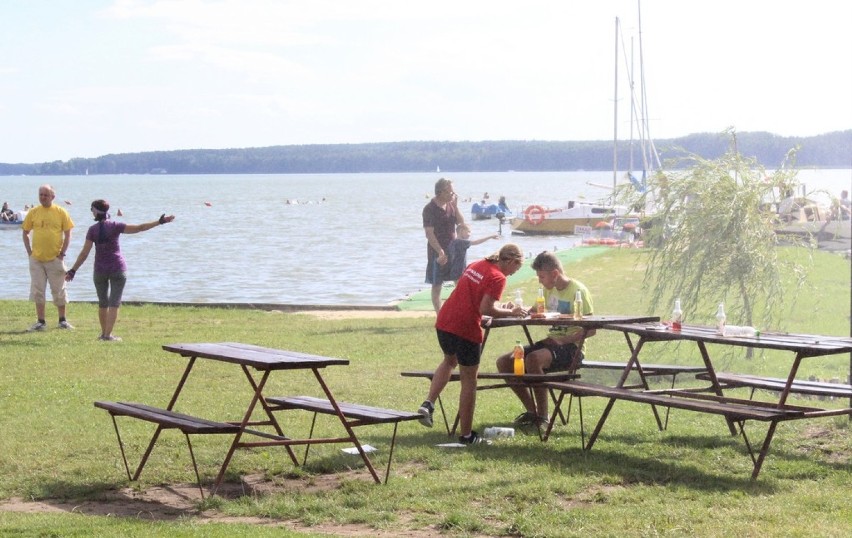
422, 299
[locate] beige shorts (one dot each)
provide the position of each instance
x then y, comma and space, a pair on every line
44, 273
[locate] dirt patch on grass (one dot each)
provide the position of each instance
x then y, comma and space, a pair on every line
182, 501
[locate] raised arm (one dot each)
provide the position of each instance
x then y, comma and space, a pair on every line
136, 228
484, 239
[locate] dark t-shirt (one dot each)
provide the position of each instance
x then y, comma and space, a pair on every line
444, 223
457, 254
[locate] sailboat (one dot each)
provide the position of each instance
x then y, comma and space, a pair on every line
577, 217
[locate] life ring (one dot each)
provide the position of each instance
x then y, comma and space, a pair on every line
534, 214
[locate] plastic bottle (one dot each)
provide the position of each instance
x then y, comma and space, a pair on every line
539, 301
519, 299
737, 331
578, 305
720, 319
493, 432
677, 316
518, 354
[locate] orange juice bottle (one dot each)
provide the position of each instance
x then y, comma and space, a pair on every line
539, 301
518, 354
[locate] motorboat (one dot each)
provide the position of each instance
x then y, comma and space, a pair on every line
538, 220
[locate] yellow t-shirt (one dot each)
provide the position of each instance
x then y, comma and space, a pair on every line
48, 225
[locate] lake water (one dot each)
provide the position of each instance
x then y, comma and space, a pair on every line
352, 239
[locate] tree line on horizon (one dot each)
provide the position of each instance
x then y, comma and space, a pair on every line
830, 150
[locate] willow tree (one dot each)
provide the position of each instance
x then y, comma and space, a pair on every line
712, 237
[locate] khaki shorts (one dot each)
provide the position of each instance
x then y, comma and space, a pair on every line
44, 273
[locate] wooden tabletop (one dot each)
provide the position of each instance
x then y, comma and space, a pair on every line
567, 320
526, 378
807, 344
262, 358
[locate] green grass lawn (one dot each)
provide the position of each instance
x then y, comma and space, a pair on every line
693, 479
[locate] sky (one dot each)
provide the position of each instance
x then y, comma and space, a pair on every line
86, 78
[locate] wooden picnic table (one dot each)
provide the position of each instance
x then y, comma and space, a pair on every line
712, 399
553, 319
257, 363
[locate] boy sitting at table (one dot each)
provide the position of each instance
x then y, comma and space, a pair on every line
556, 352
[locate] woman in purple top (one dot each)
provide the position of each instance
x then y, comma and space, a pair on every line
110, 272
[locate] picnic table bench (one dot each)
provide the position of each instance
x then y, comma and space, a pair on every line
354, 414
500, 381
776, 384
732, 409
166, 419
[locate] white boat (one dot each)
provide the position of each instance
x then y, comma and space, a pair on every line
538, 220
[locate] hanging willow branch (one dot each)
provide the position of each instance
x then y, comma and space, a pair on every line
712, 237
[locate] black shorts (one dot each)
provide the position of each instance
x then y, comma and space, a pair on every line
562, 355
465, 351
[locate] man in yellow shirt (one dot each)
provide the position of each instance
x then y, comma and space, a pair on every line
51, 234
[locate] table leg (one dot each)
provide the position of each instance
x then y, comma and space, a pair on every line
171, 405
790, 379
644, 381
634, 359
246, 419
711, 373
352, 437
764, 450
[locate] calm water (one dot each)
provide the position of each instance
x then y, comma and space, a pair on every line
352, 238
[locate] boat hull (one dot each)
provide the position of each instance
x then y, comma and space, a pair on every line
539, 221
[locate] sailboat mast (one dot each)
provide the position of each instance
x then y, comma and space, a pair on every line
649, 151
615, 117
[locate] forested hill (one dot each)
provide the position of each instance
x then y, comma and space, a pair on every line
831, 150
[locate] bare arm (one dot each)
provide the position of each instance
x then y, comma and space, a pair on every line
459, 214
81, 259
66, 241
26, 237
433, 242
484, 239
136, 228
489, 307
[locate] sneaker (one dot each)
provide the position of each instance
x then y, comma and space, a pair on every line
526, 419
38, 326
425, 413
473, 439
65, 325
542, 423
110, 338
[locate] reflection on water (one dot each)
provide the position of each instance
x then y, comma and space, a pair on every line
351, 238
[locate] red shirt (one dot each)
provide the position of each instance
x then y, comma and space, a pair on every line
460, 313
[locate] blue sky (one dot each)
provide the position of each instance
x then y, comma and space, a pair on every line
84, 78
